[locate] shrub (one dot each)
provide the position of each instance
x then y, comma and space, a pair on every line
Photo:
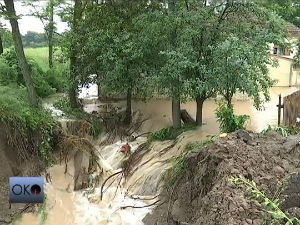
7, 74
42, 86
228, 121
170, 133
57, 79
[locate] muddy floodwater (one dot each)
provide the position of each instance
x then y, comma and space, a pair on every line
64, 206
159, 111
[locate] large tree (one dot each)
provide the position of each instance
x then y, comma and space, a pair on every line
111, 48
74, 52
11, 14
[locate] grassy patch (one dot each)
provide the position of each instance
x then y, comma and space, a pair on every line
17, 115
284, 131
170, 133
177, 171
64, 105
39, 55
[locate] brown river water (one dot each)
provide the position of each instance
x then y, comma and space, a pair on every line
66, 207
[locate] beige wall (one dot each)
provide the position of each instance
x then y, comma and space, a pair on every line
284, 73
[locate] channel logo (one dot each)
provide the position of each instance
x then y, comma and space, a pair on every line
26, 189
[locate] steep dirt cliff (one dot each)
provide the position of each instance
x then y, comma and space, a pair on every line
205, 196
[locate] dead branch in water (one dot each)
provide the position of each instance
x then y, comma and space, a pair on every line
102, 186
142, 198
140, 207
118, 186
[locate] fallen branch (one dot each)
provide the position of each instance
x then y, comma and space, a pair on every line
102, 186
139, 207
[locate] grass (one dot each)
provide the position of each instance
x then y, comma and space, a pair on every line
16, 113
40, 55
170, 133
283, 130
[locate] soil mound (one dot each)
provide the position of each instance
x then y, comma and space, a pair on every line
205, 196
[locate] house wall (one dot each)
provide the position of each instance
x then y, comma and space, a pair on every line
284, 73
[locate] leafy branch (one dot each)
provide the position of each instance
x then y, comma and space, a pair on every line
272, 205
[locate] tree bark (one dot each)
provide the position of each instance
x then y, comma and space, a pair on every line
1, 44
199, 112
20, 52
128, 112
176, 116
50, 33
73, 54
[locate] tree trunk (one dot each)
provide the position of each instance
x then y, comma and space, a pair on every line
73, 54
72, 96
1, 44
176, 116
50, 33
128, 112
20, 52
199, 116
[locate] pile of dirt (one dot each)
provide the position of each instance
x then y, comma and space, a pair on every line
205, 196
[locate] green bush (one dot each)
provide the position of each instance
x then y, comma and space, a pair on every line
56, 78
170, 133
228, 121
7, 74
41, 82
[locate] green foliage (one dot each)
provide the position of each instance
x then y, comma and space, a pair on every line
287, 9
241, 66
45, 83
167, 133
170, 133
7, 74
16, 112
56, 78
228, 121
7, 39
39, 55
279, 217
177, 171
65, 105
284, 131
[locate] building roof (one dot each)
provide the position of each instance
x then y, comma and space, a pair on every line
292, 29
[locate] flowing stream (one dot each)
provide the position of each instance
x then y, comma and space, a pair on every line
67, 207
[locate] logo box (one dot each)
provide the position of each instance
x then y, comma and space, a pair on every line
26, 189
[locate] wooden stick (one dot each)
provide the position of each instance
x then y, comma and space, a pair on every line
102, 186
